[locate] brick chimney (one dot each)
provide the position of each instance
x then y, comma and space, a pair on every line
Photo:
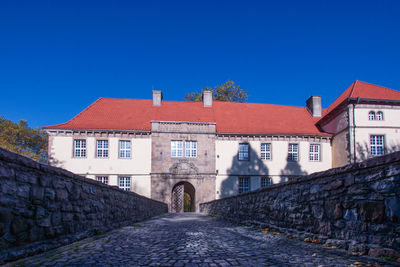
157, 98
314, 105
207, 98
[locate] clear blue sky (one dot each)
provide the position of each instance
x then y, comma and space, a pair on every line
57, 57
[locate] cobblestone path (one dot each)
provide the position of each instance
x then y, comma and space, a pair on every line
191, 240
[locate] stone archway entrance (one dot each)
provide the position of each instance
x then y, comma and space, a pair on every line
183, 197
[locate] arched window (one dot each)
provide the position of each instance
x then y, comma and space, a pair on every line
379, 116
371, 116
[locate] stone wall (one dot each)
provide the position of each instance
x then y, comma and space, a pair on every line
42, 207
356, 206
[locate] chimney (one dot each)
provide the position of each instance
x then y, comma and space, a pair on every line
314, 105
207, 98
157, 98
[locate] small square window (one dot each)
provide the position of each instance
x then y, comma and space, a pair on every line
244, 184
102, 149
266, 151
377, 146
177, 148
124, 149
266, 181
103, 179
243, 151
79, 148
314, 152
293, 152
190, 149
125, 183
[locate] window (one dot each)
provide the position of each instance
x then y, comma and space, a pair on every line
79, 148
377, 145
266, 181
244, 184
379, 116
371, 115
125, 183
190, 149
266, 151
124, 149
102, 148
314, 152
293, 152
176, 148
243, 151
103, 179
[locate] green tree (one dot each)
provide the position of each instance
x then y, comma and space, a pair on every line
18, 138
229, 92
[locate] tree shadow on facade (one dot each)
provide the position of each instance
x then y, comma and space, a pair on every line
363, 150
291, 170
253, 167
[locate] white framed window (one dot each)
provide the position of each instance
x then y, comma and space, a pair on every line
177, 148
371, 115
266, 151
190, 149
377, 146
102, 149
314, 152
124, 183
379, 116
103, 179
79, 148
266, 181
243, 151
293, 152
124, 149
244, 184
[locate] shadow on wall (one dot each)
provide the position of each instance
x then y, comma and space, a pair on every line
363, 150
291, 170
242, 168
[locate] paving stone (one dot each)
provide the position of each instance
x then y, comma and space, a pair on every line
192, 239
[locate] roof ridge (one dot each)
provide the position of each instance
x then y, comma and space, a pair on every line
352, 89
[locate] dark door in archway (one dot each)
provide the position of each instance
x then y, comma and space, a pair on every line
183, 197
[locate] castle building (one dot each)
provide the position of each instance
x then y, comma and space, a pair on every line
186, 153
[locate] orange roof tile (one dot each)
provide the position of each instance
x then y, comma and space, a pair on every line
136, 114
364, 90
235, 118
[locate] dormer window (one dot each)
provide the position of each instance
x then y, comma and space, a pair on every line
371, 115
379, 116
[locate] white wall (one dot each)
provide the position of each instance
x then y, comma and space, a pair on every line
138, 166
229, 168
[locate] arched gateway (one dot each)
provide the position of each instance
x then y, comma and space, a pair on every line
183, 197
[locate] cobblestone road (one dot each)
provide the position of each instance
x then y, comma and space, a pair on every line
191, 240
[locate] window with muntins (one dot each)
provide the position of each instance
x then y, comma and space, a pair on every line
266, 181
371, 115
103, 179
293, 152
124, 149
176, 148
243, 151
102, 149
244, 184
379, 116
377, 145
314, 152
266, 151
190, 149
125, 183
79, 148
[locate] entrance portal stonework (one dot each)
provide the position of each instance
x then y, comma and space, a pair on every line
168, 173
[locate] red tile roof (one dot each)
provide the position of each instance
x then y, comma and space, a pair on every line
240, 118
365, 90
137, 114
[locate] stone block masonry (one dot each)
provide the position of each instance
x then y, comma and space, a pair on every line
43, 207
356, 206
